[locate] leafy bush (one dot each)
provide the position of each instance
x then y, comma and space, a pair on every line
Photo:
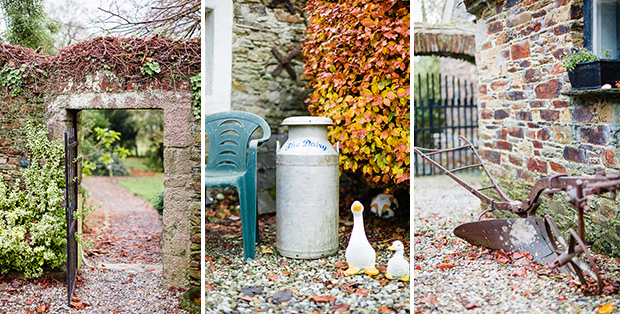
100, 168
158, 202
581, 55
32, 215
358, 66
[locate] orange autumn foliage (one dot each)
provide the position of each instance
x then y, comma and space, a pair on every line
357, 63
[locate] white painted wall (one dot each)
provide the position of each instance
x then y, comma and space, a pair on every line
217, 56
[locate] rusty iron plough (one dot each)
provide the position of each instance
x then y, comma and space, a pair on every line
539, 237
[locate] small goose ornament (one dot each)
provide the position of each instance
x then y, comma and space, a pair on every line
359, 254
398, 266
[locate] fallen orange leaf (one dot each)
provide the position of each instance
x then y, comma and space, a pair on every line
444, 266
323, 298
384, 309
607, 308
42, 309
429, 299
361, 292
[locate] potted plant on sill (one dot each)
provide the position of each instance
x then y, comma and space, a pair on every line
588, 71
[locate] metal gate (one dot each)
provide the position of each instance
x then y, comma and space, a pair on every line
71, 200
444, 109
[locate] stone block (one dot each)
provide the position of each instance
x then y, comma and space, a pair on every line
599, 135
178, 167
574, 154
174, 271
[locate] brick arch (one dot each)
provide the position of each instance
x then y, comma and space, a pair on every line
445, 41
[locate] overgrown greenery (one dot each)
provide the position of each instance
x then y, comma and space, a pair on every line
195, 83
32, 216
358, 67
27, 24
581, 55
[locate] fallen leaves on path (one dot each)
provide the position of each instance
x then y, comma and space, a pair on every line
607, 308
323, 298
444, 266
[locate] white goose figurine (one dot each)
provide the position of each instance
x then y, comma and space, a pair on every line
398, 267
359, 254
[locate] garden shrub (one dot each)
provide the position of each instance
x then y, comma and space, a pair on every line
32, 215
158, 202
357, 63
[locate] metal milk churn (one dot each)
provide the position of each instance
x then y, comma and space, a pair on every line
307, 190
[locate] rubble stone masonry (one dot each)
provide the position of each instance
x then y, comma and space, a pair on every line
528, 128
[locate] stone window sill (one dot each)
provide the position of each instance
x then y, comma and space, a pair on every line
614, 92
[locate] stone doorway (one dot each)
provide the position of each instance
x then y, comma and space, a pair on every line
181, 162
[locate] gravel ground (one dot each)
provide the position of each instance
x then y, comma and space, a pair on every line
123, 276
275, 284
469, 278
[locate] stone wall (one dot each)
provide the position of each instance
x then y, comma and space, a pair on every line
257, 29
528, 128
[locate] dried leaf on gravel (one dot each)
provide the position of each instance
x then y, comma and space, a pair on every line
340, 308
607, 308
43, 309
76, 303
283, 263
429, 299
267, 250
323, 298
28, 302
385, 309
361, 292
274, 277
470, 306
341, 264
521, 272
444, 266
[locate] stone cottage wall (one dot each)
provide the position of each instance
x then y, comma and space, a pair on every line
528, 128
258, 28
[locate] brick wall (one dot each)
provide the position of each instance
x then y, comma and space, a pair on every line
528, 129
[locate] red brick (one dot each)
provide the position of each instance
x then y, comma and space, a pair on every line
560, 104
543, 134
523, 175
549, 115
495, 85
495, 27
537, 165
557, 167
514, 95
537, 144
516, 132
482, 89
520, 51
523, 115
515, 160
503, 145
608, 157
532, 75
574, 154
486, 114
548, 90
561, 29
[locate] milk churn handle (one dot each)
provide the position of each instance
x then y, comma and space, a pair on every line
338, 147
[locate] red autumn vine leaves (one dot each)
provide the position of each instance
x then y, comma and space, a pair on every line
358, 67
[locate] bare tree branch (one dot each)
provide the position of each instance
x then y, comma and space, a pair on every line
174, 18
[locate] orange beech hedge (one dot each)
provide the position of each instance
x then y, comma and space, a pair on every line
357, 64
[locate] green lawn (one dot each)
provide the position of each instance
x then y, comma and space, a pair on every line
135, 163
146, 187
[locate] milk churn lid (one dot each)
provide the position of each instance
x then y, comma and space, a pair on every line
307, 120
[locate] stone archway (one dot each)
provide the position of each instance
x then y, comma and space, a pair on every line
445, 41
179, 159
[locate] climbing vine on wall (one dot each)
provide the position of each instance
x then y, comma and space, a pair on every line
357, 63
32, 220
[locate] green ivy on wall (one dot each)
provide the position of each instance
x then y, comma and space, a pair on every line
32, 217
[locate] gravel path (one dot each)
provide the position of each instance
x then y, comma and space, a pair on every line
452, 276
123, 276
275, 284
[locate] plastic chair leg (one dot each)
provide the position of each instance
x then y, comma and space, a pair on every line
248, 223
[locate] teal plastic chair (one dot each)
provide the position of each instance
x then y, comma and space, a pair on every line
232, 162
